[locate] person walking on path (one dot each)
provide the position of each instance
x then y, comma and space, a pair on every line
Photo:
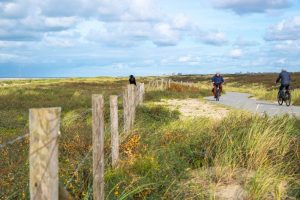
132, 80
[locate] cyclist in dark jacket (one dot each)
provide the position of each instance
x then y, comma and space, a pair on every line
217, 81
132, 80
285, 79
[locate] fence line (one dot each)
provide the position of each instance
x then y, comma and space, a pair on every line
44, 130
164, 84
25, 135
19, 138
80, 164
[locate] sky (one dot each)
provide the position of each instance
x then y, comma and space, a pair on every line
86, 38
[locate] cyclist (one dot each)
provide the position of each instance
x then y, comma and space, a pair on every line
285, 80
217, 81
132, 80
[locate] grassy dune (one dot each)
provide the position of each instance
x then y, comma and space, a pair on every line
261, 86
165, 157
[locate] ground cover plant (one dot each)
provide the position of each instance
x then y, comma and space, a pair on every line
165, 156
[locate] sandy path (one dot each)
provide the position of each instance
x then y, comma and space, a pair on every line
242, 101
194, 108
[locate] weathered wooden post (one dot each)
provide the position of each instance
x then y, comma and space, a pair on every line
132, 105
98, 146
169, 83
126, 110
44, 125
137, 93
142, 93
162, 84
129, 107
114, 126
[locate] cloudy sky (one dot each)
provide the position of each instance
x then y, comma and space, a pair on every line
147, 37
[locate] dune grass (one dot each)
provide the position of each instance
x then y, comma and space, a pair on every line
261, 86
261, 92
264, 148
163, 152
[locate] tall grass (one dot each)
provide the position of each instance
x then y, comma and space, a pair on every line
261, 92
257, 152
177, 91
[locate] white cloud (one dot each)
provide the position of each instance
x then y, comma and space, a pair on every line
285, 30
189, 60
110, 22
185, 58
141, 10
236, 53
216, 38
6, 57
165, 35
241, 42
281, 61
131, 33
288, 45
13, 9
181, 22
64, 22
251, 6
11, 44
58, 42
105, 10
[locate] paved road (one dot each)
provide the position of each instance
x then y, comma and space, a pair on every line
242, 101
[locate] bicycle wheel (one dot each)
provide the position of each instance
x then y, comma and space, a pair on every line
218, 95
287, 99
279, 99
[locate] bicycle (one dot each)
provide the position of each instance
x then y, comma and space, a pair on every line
217, 96
284, 96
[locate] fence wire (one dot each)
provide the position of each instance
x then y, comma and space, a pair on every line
19, 138
78, 167
23, 136
26, 135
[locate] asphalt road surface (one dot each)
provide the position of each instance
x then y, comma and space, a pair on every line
242, 101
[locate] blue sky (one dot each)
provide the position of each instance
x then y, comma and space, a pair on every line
147, 37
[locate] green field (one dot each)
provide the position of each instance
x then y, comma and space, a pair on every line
165, 157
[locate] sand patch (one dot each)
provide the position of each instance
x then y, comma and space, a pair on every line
194, 108
206, 183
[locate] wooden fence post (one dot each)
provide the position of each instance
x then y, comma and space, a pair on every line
126, 114
98, 146
137, 94
129, 107
169, 84
132, 105
44, 125
142, 93
114, 130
